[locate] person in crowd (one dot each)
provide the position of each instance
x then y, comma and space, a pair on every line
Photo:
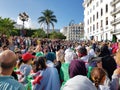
91, 52
60, 53
7, 63
50, 57
97, 51
98, 76
78, 79
94, 62
108, 61
82, 55
48, 78
26, 67
64, 70
117, 71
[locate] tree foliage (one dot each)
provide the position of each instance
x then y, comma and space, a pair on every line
57, 35
6, 25
39, 33
48, 19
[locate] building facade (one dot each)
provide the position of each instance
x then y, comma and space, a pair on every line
74, 32
97, 19
116, 17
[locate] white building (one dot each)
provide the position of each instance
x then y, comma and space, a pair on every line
97, 19
64, 31
51, 30
74, 32
116, 17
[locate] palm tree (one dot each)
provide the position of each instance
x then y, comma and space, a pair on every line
6, 25
47, 18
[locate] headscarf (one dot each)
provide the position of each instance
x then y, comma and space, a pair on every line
69, 56
77, 67
79, 82
50, 56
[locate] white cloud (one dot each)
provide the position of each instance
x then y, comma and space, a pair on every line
27, 24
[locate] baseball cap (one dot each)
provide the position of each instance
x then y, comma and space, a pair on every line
27, 56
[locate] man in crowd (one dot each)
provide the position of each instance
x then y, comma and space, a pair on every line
7, 63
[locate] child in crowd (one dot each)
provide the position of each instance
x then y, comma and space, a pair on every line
25, 68
98, 76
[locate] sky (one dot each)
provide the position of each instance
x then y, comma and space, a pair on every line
64, 10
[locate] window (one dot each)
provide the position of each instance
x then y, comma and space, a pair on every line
106, 20
88, 22
97, 4
106, 8
97, 15
97, 25
93, 27
93, 17
90, 28
106, 36
101, 11
101, 23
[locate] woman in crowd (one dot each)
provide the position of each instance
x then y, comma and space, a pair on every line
98, 76
108, 61
64, 70
78, 79
48, 78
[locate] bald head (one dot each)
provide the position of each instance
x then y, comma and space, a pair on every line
7, 59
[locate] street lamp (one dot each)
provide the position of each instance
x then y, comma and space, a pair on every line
23, 17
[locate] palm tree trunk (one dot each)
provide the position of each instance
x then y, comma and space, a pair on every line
47, 30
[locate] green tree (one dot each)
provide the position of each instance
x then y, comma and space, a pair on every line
6, 25
39, 33
48, 19
57, 35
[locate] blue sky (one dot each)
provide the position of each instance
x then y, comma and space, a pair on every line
65, 10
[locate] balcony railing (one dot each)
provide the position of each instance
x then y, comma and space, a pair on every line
117, 20
114, 2
116, 31
115, 11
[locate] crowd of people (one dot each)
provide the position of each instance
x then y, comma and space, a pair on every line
42, 64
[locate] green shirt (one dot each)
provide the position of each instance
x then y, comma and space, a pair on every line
64, 74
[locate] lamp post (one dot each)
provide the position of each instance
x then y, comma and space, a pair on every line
23, 17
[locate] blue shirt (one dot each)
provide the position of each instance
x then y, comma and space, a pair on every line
9, 83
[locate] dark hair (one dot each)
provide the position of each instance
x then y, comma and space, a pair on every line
58, 47
109, 65
4, 47
40, 63
104, 51
83, 50
97, 75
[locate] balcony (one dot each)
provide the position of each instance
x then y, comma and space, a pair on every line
115, 21
116, 31
114, 2
115, 11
